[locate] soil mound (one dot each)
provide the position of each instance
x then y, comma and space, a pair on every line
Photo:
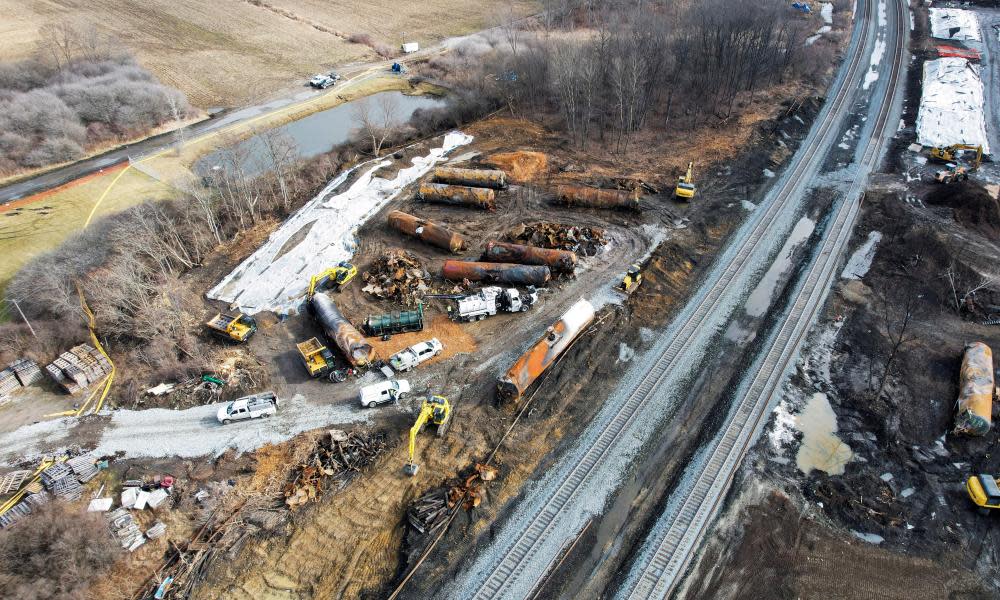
972, 205
522, 166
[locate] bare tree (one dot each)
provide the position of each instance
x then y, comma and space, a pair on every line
963, 288
898, 307
280, 153
377, 119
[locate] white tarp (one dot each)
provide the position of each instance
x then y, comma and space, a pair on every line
276, 277
954, 24
951, 106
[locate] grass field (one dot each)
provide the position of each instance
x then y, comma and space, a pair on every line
233, 52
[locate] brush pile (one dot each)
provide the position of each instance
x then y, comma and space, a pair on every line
334, 461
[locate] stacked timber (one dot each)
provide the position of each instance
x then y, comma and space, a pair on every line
78, 368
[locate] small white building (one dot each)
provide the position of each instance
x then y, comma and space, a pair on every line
410, 47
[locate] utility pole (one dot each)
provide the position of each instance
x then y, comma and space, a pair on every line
21, 312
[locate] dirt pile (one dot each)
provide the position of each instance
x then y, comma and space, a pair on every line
585, 241
971, 204
522, 166
396, 275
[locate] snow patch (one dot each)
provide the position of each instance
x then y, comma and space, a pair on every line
859, 263
747, 205
768, 173
954, 24
276, 277
951, 106
625, 353
826, 11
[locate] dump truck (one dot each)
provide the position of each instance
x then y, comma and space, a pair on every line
397, 322
317, 358
491, 300
236, 327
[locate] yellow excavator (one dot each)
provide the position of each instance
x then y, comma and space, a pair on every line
685, 184
435, 409
948, 154
630, 280
339, 276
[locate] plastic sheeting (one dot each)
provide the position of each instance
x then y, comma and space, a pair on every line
951, 107
954, 24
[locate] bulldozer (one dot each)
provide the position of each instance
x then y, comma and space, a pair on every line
948, 154
339, 276
435, 409
630, 280
984, 491
236, 327
685, 184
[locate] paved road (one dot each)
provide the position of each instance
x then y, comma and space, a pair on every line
523, 548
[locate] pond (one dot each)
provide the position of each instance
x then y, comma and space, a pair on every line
321, 131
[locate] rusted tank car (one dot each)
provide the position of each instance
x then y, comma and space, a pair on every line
455, 194
435, 235
487, 178
975, 394
542, 355
561, 261
352, 344
457, 270
575, 195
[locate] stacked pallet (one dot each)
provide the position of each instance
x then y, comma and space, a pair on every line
11, 482
23, 509
59, 480
125, 528
83, 467
78, 368
8, 383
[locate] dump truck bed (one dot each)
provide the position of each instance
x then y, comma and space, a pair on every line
221, 322
311, 352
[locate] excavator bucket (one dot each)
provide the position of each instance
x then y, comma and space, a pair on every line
411, 469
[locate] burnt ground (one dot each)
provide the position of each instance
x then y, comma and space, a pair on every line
905, 482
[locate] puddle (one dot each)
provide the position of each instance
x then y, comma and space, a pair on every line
321, 131
760, 298
821, 449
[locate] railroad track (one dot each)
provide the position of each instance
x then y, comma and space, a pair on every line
666, 563
523, 551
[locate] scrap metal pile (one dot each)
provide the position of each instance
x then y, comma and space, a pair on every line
396, 275
585, 241
430, 511
339, 456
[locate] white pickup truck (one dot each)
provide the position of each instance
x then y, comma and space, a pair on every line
249, 407
407, 358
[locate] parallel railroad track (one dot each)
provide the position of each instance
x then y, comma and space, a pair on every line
523, 551
667, 562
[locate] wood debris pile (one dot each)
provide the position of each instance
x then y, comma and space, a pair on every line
396, 275
431, 511
585, 241
339, 457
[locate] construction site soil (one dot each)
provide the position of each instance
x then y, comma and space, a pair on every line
364, 521
897, 522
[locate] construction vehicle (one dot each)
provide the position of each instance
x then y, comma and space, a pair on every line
249, 407
948, 154
983, 490
435, 409
236, 327
317, 358
491, 300
630, 280
952, 174
339, 276
685, 184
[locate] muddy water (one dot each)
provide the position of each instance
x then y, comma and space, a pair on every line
321, 131
821, 449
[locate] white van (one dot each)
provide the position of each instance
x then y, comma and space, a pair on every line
385, 391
